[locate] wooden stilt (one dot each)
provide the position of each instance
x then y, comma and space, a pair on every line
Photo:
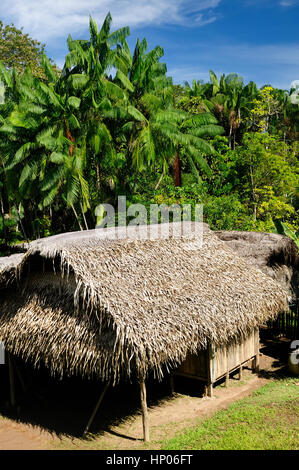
96, 408
256, 363
210, 390
144, 411
241, 373
171, 380
11, 381
210, 371
227, 379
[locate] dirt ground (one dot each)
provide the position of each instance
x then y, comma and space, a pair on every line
167, 414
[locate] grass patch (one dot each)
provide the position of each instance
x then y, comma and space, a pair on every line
269, 419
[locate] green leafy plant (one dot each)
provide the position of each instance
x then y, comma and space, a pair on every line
283, 229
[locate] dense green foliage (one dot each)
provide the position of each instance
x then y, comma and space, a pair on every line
19, 50
112, 123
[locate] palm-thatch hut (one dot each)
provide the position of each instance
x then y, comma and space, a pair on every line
8, 266
82, 303
275, 255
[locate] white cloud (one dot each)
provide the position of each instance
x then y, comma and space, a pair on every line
46, 19
201, 20
288, 3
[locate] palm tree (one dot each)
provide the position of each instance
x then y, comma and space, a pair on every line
228, 99
42, 128
158, 131
104, 101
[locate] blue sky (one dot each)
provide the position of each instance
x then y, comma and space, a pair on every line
258, 39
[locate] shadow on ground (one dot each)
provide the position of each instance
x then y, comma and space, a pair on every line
275, 352
63, 407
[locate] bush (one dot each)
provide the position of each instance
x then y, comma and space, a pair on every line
227, 213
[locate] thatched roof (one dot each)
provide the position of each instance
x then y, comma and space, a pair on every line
121, 307
8, 265
275, 255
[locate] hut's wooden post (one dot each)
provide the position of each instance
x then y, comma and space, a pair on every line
144, 411
210, 371
227, 379
241, 373
96, 408
11, 381
256, 364
256, 360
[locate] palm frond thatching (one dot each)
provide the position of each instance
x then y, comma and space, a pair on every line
8, 266
120, 308
276, 255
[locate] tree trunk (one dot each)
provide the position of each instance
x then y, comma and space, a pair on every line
21, 223
72, 139
159, 182
36, 229
98, 178
4, 205
84, 218
230, 137
253, 194
77, 218
2, 211
177, 170
234, 139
